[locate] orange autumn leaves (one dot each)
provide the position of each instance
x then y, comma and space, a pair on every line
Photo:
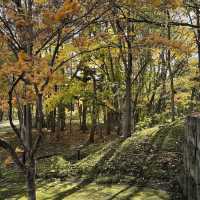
69, 7
36, 72
169, 4
35, 69
156, 40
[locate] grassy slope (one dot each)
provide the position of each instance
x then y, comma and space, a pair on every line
143, 167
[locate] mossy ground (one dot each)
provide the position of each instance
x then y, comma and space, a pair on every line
143, 167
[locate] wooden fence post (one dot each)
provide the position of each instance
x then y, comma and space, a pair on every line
192, 157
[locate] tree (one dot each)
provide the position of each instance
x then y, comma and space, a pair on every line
34, 33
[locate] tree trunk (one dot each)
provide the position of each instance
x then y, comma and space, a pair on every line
48, 120
36, 121
30, 178
79, 113
30, 162
1, 115
40, 115
94, 113
53, 121
171, 73
61, 117
93, 129
161, 104
127, 111
108, 122
84, 117
70, 118
198, 37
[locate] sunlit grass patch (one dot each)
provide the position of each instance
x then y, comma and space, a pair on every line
93, 191
115, 169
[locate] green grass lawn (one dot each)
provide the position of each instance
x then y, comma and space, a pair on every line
143, 167
95, 191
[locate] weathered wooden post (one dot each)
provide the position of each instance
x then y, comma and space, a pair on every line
78, 151
192, 157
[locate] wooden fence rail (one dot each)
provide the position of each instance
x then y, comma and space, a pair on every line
192, 158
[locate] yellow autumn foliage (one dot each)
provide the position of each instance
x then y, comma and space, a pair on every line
156, 40
156, 3
69, 7
41, 1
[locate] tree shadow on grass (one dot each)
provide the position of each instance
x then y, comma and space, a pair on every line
12, 189
141, 192
156, 142
93, 173
136, 190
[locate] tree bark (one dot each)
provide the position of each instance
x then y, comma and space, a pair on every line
30, 161
53, 121
40, 115
94, 112
170, 73
108, 122
30, 177
70, 118
127, 111
61, 117
1, 115
198, 37
84, 117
